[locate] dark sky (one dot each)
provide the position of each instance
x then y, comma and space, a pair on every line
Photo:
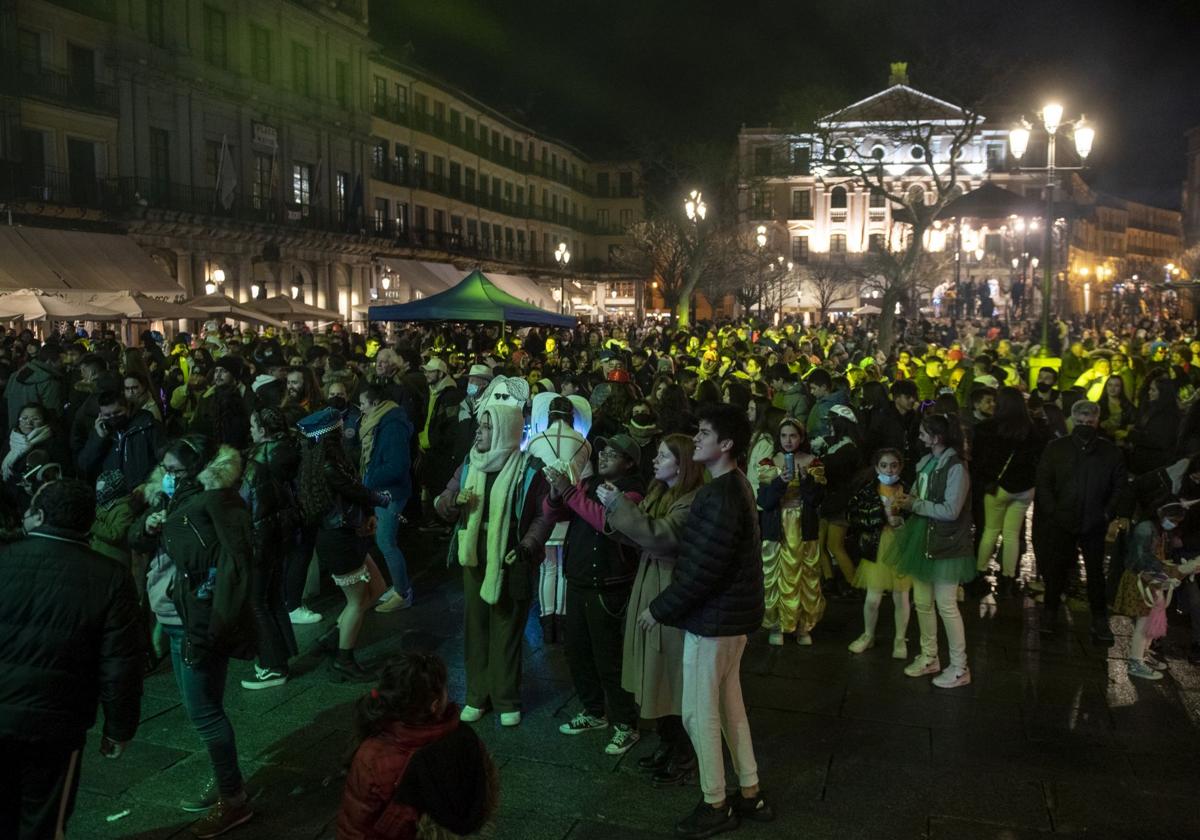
611, 76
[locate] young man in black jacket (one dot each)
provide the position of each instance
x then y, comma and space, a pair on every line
717, 598
72, 642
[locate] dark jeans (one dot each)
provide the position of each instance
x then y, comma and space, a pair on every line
276, 641
299, 554
37, 784
202, 689
1062, 549
595, 625
493, 635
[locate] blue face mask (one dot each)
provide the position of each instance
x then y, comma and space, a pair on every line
168, 484
887, 479
472, 389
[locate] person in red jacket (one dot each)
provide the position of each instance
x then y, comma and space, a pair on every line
414, 761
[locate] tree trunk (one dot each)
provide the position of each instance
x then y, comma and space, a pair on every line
683, 308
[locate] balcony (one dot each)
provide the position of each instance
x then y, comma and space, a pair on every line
837, 216
59, 86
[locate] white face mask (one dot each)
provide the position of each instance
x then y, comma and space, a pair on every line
1169, 524
472, 389
887, 479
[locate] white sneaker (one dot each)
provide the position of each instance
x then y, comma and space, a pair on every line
775, 639
470, 714
804, 639
303, 615
862, 643
953, 679
900, 649
623, 739
921, 667
510, 718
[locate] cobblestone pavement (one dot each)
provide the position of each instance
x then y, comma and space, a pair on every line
1050, 738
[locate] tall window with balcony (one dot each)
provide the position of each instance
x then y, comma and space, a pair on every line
626, 218
603, 184
260, 188
417, 173
469, 185
761, 207
341, 84
380, 217
156, 32
400, 164
82, 69
260, 54
602, 220
439, 173
301, 70
29, 50
341, 188
455, 179
379, 96
837, 247
401, 99
81, 170
801, 160
456, 230
455, 125
302, 187
401, 218
160, 166
379, 153
215, 44
801, 204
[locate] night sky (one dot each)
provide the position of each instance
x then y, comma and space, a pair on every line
619, 77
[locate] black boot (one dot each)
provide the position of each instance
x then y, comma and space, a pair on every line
681, 770
345, 668
658, 759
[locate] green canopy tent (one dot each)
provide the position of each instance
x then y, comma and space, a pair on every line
475, 298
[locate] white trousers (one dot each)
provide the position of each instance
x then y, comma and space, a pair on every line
712, 706
946, 597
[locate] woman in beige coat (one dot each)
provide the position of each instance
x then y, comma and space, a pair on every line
652, 661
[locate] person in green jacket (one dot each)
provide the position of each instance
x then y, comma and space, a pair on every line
114, 515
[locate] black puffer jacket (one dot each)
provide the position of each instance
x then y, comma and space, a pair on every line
70, 638
718, 585
1079, 483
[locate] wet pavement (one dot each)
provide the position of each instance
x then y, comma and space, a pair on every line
1051, 738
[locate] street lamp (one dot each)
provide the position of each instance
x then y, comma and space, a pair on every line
562, 256
255, 289
1018, 142
695, 207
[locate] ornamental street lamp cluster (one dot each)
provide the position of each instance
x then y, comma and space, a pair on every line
562, 257
1018, 142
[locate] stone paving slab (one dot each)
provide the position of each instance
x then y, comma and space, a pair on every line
1050, 740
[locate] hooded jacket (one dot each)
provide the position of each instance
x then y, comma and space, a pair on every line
72, 639
202, 561
39, 382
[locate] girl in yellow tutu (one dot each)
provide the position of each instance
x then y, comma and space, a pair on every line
871, 541
790, 488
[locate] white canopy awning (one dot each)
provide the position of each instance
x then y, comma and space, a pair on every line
51, 259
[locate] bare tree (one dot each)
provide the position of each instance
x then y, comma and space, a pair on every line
830, 283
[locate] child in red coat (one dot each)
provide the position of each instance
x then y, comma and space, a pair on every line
414, 762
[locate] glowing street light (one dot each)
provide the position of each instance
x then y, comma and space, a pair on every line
695, 207
562, 256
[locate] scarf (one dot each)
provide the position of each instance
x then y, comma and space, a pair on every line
505, 459
18, 445
366, 432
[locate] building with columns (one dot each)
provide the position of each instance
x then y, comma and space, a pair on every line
813, 211
273, 146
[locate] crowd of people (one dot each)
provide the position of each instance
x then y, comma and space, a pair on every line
661, 495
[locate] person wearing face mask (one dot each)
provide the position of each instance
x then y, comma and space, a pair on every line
643, 428
1079, 482
199, 534
385, 436
337, 397
438, 428
1047, 380
72, 645
1145, 586
871, 540
122, 438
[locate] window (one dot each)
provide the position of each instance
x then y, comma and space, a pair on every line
439, 112
496, 145
483, 184
508, 191
212, 160
341, 187
469, 128
155, 31
379, 158
401, 99
260, 53
82, 67
508, 146
455, 178
380, 214
341, 83
801, 204
837, 246
602, 184
626, 181
626, 218
469, 183
801, 160
456, 226
762, 204
214, 37
160, 164
520, 243
400, 162
379, 95
520, 198
472, 232
602, 218
302, 186
401, 218
877, 200
421, 103
799, 249
301, 61
29, 46
917, 153
837, 198
995, 157
762, 160
508, 239
260, 189
439, 167
519, 153
421, 218
875, 243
